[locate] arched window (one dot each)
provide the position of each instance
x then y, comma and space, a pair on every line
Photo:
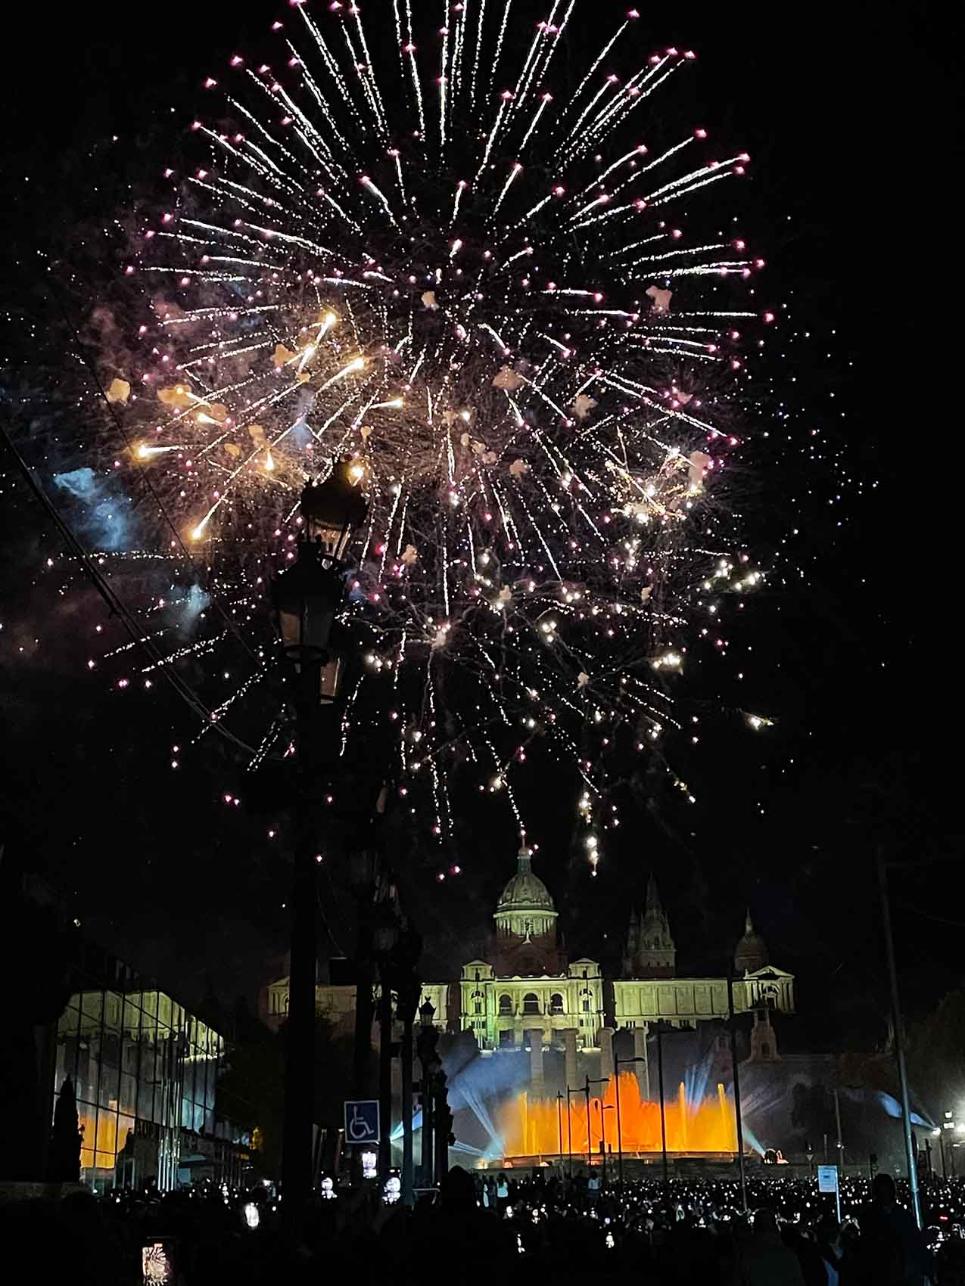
477, 1002
505, 1006
531, 1003
556, 1004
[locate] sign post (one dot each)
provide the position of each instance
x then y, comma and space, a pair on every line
362, 1121
828, 1182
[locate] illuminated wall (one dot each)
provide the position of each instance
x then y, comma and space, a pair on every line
638, 1002
500, 1010
144, 1070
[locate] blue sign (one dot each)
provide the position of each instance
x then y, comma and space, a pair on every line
362, 1120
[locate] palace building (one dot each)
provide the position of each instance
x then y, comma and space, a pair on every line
525, 994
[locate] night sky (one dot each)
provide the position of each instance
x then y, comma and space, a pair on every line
849, 112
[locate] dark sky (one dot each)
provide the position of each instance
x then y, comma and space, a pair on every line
850, 114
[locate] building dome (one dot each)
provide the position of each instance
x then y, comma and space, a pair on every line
525, 908
751, 953
525, 891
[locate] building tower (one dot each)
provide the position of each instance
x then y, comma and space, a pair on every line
751, 953
650, 950
763, 1039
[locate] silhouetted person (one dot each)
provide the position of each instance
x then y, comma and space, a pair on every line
473, 1243
892, 1249
63, 1154
765, 1260
830, 1248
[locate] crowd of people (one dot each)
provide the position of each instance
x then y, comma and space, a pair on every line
499, 1227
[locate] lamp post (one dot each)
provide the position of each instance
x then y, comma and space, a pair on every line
617, 1064
410, 948
663, 1113
559, 1121
306, 598
604, 1108
738, 1115
948, 1156
899, 1038
837, 1125
385, 940
569, 1125
587, 1082
362, 870
426, 1044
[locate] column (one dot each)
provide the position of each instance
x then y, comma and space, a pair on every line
569, 1058
606, 1051
642, 1069
536, 1061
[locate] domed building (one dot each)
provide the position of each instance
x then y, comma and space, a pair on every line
525, 908
751, 953
526, 994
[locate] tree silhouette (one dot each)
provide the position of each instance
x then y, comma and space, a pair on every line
936, 1055
251, 1089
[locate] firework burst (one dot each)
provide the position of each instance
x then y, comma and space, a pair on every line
494, 292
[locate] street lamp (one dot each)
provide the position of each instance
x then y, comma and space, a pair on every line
333, 509
308, 594
306, 598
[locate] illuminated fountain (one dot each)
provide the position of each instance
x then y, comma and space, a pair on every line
542, 1127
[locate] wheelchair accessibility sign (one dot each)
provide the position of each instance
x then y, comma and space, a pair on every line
362, 1120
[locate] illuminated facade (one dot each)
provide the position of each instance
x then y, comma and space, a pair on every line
525, 994
145, 1073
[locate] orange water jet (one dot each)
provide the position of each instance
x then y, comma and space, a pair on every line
532, 1127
